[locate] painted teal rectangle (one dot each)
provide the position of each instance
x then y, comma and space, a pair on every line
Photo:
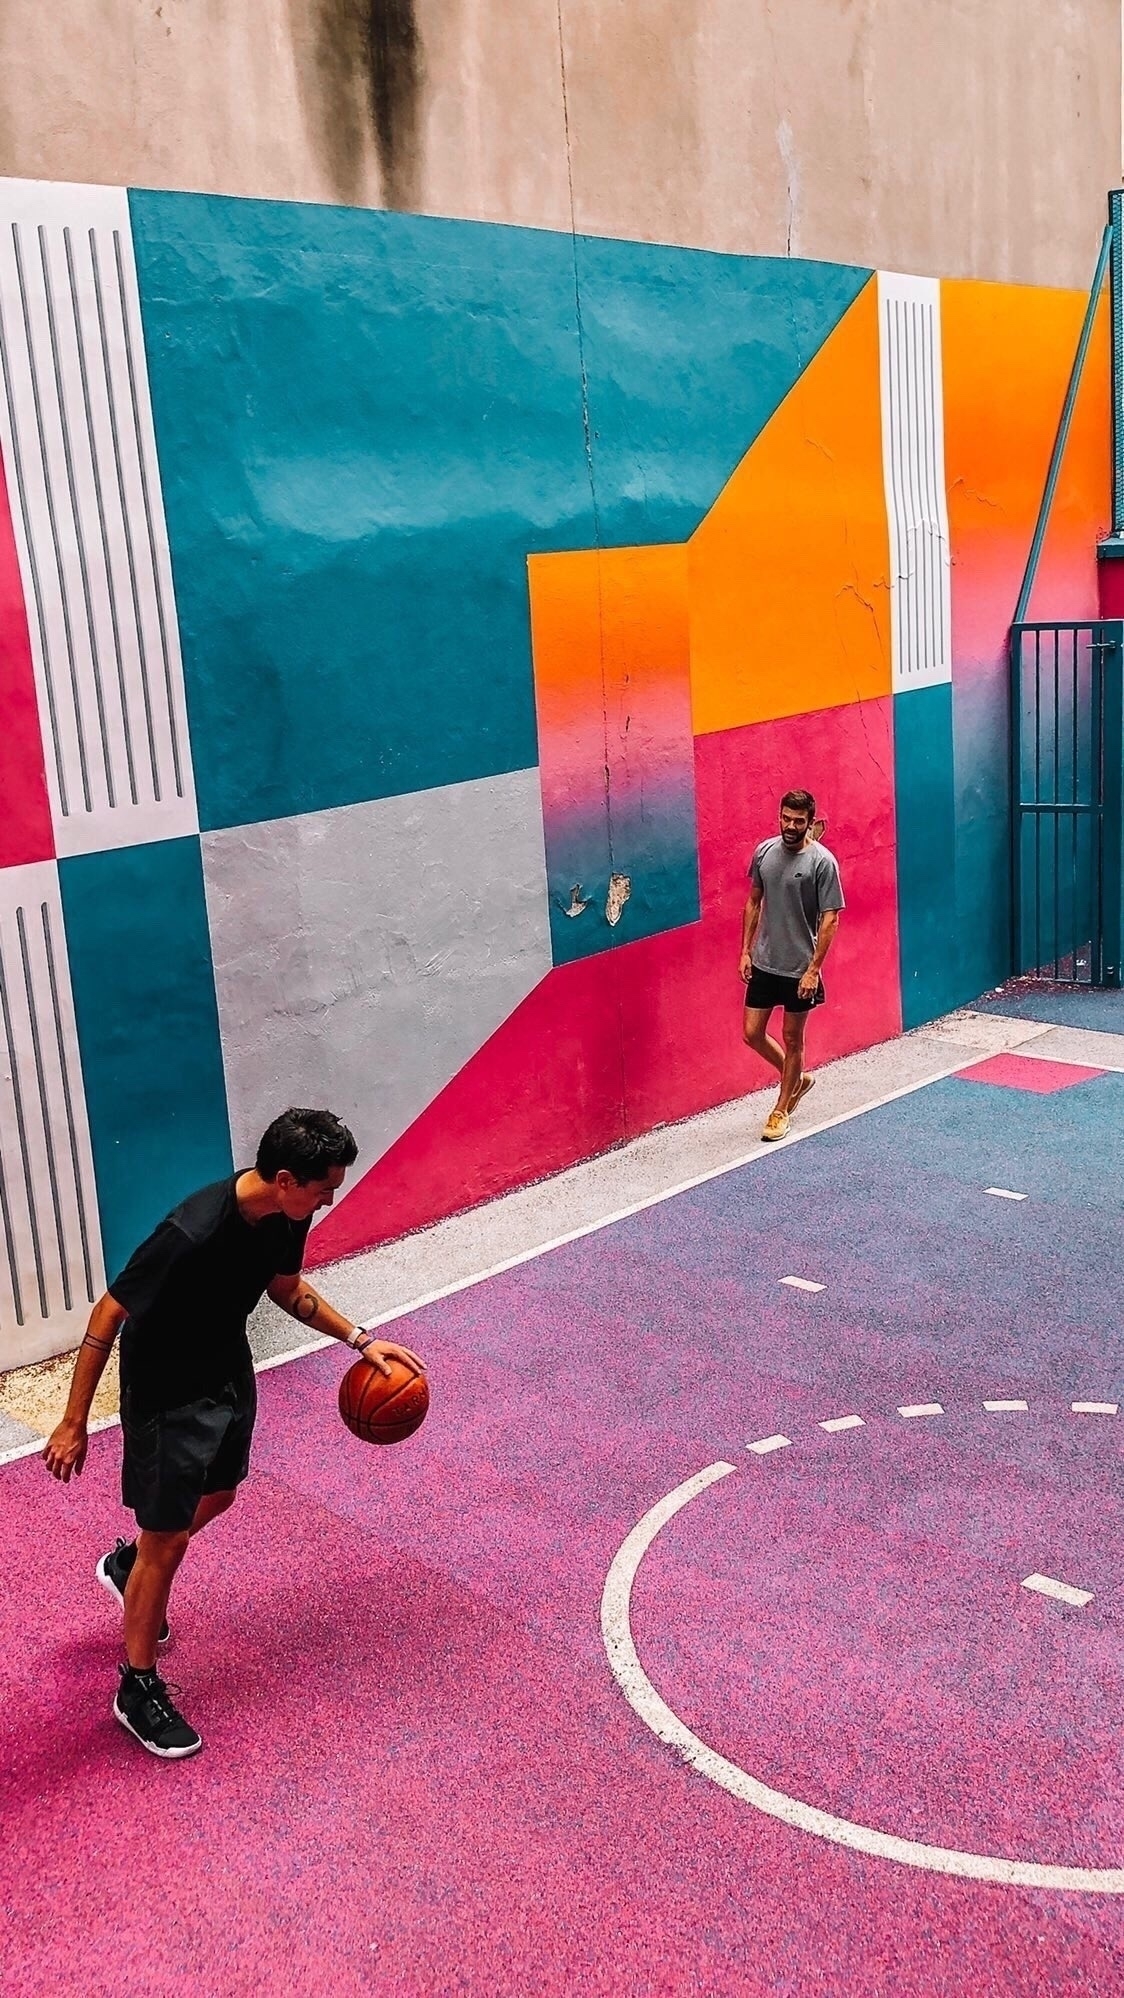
367, 421
929, 931
148, 1031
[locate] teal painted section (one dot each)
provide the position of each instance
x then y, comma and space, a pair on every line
928, 925
144, 998
688, 354
983, 831
367, 421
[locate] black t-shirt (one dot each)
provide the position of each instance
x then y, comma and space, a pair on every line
189, 1290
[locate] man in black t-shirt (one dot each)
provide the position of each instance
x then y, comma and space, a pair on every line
187, 1378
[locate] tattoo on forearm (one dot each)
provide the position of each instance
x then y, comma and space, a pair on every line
99, 1345
306, 1307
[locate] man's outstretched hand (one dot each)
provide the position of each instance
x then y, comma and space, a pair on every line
381, 1351
66, 1450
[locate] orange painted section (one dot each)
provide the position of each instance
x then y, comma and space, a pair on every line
789, 572
599, 618
1008, 351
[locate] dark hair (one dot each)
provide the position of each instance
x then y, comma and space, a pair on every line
307, 1143
799, 801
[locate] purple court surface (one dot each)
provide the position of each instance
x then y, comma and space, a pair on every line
828, 1740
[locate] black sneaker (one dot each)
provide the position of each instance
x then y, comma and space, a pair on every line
143, 1706
113, 1571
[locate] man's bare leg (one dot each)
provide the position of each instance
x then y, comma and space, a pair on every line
756, 1036
147, 1591
151, 1576
792, 1064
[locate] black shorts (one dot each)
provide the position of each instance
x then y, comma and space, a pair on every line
767, 989
173, 1458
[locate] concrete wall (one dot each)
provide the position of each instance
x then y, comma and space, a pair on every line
947, 136
407, 628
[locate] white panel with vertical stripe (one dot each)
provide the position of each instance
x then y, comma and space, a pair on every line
913, 469
84, 487
50, 1242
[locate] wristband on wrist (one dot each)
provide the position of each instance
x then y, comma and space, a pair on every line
360, 1338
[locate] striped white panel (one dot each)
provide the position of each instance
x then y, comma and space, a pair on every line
50, 1244
84, 483
913, 469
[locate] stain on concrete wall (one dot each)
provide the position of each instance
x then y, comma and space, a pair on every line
360, 87
967, 139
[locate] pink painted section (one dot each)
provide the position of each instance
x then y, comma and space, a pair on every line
1110, 586
607, 1048
1041, 1078
26, 832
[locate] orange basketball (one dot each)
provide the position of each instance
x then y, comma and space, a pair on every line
383, 1408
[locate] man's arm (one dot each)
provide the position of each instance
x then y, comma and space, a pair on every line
751, 920
66, 1448
829, 923
296, 1295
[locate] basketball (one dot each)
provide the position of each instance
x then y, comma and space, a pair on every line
383, 1408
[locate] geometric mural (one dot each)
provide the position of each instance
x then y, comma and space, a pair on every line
397, 673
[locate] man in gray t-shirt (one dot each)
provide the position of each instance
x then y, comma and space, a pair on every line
791, 916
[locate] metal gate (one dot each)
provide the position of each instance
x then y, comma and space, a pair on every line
1066, 755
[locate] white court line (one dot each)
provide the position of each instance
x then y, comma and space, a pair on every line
768, 1443
1004, 1407
1095, 1407
839, 1422
922, 1408
1043, 1585
1004, 1193
802, 1283
642, 1697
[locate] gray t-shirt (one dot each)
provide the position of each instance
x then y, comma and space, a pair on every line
797, 887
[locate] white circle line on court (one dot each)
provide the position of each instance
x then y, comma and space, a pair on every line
616, 1632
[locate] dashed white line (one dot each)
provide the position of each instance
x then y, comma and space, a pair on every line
839, 1422
922, 1408
802, 1283
768, 1443
1044, 1585
1095, 1407
1004, 1193
1006, 1407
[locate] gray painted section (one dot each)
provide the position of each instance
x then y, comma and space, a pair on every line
363, 955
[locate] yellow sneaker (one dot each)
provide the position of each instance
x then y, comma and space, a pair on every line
776, 1125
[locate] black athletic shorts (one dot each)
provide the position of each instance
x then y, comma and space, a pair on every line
173, 1458
767, 989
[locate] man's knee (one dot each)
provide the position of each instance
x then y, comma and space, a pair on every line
162, 1550
793, 1033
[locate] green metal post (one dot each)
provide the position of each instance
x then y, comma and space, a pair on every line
1062, 438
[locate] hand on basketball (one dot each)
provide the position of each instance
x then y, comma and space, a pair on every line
380, 1351
66, 1449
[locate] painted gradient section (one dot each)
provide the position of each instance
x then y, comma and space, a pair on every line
616, 754
148, 1032
26, 833
932, 973
607, 1048
1008, 351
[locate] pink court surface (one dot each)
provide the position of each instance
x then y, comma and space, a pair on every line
586, 1689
